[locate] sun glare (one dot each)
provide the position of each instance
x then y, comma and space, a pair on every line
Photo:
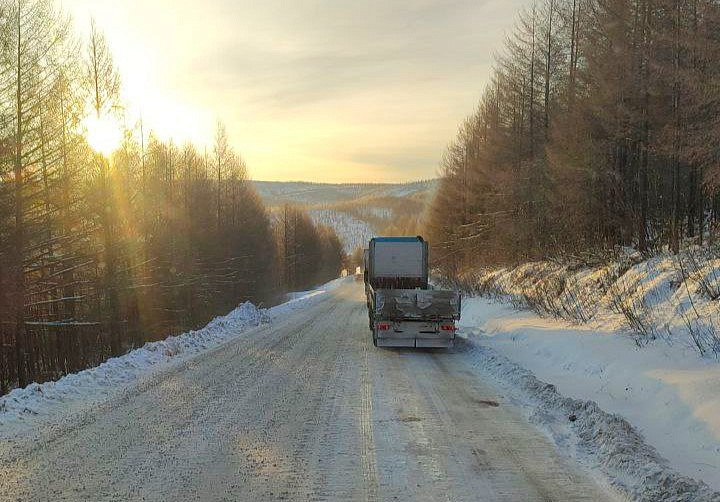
103, 134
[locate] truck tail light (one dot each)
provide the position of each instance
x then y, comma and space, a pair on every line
448, 327
383, 326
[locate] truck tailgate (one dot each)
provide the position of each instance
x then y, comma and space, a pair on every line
420, 304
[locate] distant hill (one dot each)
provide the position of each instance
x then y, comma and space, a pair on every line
356, 211
313, 194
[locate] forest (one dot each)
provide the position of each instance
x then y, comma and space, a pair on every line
104, 247
598, 130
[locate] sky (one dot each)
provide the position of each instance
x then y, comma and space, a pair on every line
327, 91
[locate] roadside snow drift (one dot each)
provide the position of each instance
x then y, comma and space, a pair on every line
639, 336
603, 440
23, 407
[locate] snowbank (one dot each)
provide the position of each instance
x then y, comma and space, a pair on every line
669, 394
22, 407
300, 300
668, 297
628, 334
597, 438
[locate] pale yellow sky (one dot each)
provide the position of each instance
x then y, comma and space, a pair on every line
317, 90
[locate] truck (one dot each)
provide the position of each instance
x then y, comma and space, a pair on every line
404, 309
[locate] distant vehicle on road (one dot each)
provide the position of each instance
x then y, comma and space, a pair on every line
403, 309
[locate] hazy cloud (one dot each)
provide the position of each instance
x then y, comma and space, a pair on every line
316, 89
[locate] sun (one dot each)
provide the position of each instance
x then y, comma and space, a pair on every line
103, 134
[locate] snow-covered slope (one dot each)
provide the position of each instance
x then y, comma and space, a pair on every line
354, 233
314, 194
666, 297
356, 212
638, 336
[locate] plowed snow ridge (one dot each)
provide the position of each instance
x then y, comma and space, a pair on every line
602, 440
23, 408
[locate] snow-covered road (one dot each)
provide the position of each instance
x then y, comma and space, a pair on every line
303, 408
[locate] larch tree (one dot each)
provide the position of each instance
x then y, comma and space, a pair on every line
103, 84
595, 131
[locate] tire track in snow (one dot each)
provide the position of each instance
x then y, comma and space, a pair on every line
367, 452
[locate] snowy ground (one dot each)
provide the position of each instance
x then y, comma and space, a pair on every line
669, 394
570, 381
303, 408
23, 409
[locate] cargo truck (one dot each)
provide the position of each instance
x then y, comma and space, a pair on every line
404, 309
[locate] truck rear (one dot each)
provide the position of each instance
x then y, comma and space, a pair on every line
403, 309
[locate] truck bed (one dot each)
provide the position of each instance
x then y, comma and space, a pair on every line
415, 304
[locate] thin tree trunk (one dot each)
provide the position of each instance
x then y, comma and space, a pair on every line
645, 134
19, 238
573, 56
532, 90
675, 238
548, 66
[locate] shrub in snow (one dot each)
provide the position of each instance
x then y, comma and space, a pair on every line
674, 298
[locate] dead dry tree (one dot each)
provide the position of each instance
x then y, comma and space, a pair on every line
575, 305
700, 328
703, 266
638, 306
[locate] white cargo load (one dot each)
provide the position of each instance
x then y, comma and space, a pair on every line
399, 259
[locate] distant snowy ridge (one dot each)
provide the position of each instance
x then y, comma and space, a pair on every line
353, 233
356, 211
315, 194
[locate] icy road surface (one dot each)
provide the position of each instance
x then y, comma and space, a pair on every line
303, 409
